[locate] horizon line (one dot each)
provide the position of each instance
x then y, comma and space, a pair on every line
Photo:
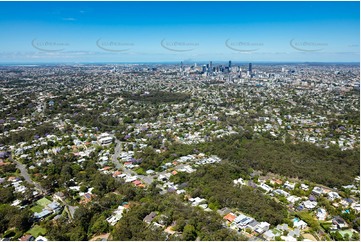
171, 62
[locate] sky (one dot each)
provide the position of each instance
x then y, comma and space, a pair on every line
179, 31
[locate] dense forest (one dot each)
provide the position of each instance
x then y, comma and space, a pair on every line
27, 134
331, 167
157, 97
189, 223
215, 183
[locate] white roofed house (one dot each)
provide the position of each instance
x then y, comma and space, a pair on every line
105, 141
317, 191
309, 205
270, 234
239, 181
304, 187
356, 206
293, 199
196, 201
321, 214
281, 193
242, 221
299, 224
265, 187
289, 186
333, 195
262, 227
117, 215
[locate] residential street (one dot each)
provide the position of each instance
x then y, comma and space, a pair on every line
25, 174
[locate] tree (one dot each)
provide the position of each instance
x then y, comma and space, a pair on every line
100, 226
83, 188
77, 234
308, 218
82, 217
278, 238
13, 217
6, 194
337, 236
355, 236
189, 232
21, 220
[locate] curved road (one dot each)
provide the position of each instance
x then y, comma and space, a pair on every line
118, 144
24, 173
147, 179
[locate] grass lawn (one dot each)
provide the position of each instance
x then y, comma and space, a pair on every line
276, 231
37, 230
326, 225
43, 202
344, 232
37, 209
140, 171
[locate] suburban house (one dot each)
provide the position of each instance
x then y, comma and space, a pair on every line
242, 221
105, 139
149, 218
309, 205
304, 187
27, 237
262, 227
230, 217
317, 191
289, 186
299, 224
42, 214
239, 181
333, 195
281, 192
118, 214
270, 235
265, 187
321, 214
339, 222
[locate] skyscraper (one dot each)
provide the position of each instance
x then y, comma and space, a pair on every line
229, 64
204, 68
210, 66
250, 68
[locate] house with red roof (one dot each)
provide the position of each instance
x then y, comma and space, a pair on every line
117, 174
230, 217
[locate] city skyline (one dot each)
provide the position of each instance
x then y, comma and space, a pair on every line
86, 32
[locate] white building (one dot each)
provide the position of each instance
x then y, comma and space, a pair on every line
299, 224
321, 214
239, 181
289, 186
317, 191
309, 205
262, 227
265, 187
333, 195
304, 187
105, 139
292, 199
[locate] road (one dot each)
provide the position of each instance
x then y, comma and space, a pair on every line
118, 165
117, 150
146, 179
24, 173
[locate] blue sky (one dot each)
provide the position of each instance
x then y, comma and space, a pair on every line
176, 31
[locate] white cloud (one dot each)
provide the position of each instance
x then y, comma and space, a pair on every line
69, 19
